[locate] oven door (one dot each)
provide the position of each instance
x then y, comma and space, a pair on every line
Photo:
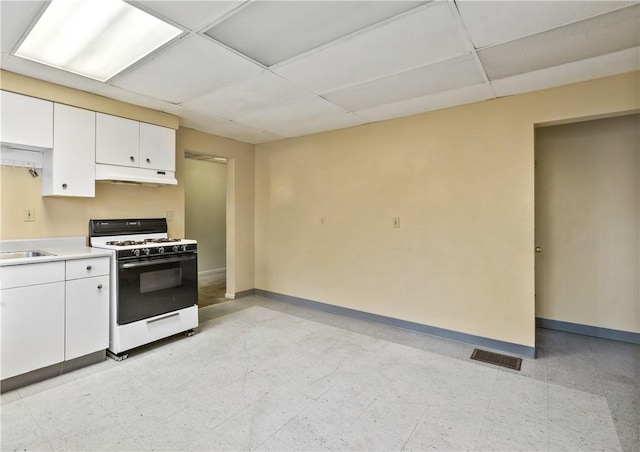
154, 286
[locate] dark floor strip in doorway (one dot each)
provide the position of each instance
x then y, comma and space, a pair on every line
510, 362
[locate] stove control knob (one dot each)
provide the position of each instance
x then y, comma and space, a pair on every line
175, 248
183, 247
161, 250
136, 252
146, 251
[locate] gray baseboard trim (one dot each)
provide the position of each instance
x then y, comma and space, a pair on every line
9, 384
215, 271
245, 293
588, 330
494, 344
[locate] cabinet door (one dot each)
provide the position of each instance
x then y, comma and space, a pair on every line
117, 140
26, 121
32, 320
157, 147
87, 316
69, 170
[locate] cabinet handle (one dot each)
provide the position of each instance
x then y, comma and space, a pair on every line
89, 267
64, 186
99, 286
132, 159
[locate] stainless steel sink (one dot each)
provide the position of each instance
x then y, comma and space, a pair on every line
22, 254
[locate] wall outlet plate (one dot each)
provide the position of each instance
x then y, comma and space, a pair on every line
169, 214
29, 214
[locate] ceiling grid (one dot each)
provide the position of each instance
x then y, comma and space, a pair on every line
260, 71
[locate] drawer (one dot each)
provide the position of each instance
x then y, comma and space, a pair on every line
85, 268
31, 274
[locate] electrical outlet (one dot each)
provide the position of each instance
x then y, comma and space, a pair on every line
322, 221
29, 214
169, 215
396, 222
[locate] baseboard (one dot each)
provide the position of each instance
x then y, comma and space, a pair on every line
9, 384
588, 330
494, 344
215, 271
242, 293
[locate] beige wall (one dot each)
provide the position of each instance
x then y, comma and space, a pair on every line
240, 201
587, 223
462, 182
17, 83
205, 211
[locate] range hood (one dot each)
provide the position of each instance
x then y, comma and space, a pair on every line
129, 174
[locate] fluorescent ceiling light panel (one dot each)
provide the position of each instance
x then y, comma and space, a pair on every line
270, 32
96, 39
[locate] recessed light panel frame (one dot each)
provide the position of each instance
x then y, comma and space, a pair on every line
95, 39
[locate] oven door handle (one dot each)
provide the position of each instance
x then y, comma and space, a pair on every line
157, 261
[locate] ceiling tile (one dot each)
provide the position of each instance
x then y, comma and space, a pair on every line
193, 15
461, 96
494, 22
611, 32
444, 76
591, 68
428, 35
50, 74
123, 95
331, 122
273, 31
234, 101
226, 128
310, 108
190, 68
15, 18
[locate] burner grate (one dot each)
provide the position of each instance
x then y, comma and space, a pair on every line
169, 240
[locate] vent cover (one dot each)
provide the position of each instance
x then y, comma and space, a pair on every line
510, 362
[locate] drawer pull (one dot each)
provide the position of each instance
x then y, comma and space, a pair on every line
64, 186
99, 286
148, 160
132, 158
89, 267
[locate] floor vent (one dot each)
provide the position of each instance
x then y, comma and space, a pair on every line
510, 362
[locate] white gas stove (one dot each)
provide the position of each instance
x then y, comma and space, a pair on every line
154, 281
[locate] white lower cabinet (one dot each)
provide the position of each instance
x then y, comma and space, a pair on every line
52, 312
32, 327
87, 308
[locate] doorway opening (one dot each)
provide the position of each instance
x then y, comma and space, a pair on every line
587, 227
206, 222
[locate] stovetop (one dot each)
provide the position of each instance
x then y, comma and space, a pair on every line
123, 243
137, 238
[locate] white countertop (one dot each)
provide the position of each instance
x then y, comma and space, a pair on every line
61, 248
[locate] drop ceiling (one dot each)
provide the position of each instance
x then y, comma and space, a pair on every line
260, 71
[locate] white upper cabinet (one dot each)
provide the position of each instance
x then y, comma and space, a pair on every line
117, 141
26, 122
125, 142
157, 147
69, 170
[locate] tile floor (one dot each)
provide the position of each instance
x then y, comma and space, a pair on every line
265, 375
